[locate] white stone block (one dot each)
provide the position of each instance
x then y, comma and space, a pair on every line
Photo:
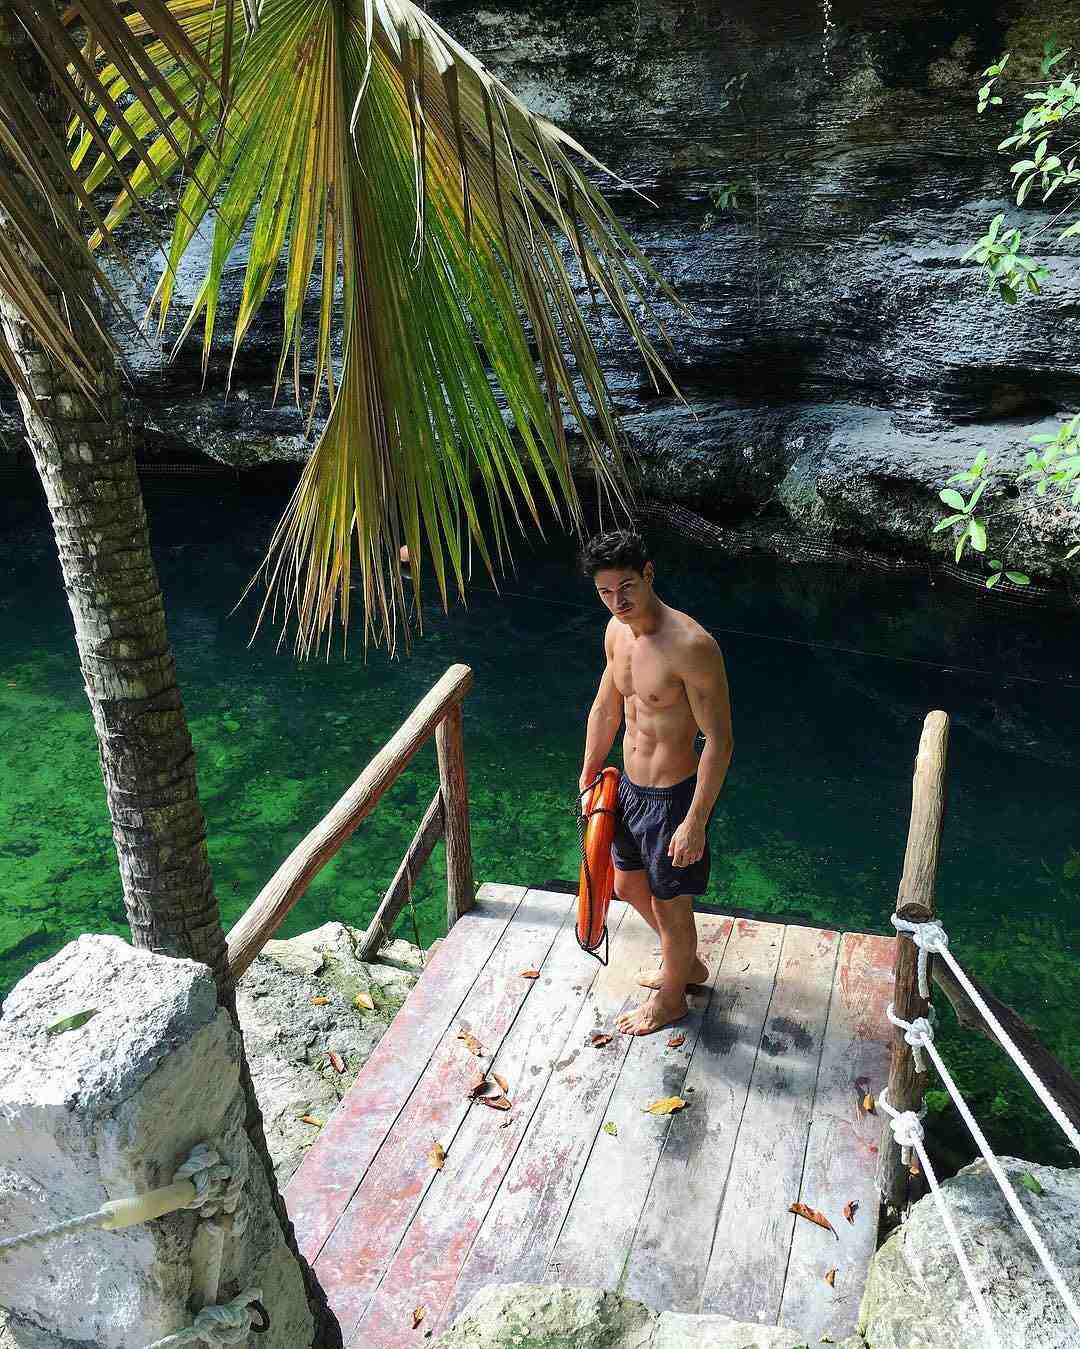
110, 1110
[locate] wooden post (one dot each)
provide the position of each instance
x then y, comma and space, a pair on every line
915, 902
460, 891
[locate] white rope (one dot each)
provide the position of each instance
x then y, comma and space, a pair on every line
47, 1233
217, 1189
931, 938
228, 1324
916, 1033
921, 1032
908, 1131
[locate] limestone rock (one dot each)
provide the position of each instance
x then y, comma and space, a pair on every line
916, 1297
289, 1033
831, 295
108, 1110
536, 1316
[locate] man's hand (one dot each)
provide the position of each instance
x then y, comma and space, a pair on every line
687, 843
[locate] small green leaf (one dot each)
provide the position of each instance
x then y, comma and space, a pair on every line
1072, 552
1018, 578
1028, 1181
978, 535
611, 1128
71, 1022
953, 499
991, 581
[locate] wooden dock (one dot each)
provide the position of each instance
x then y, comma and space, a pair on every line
577, 1183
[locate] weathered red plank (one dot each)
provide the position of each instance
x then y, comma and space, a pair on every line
855, 1058
841, 1167
600, 1225
670, 1254
518, 1233
745, 1277
426, 1266
360, 1247
333, 1168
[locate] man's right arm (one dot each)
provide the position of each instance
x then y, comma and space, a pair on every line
605, 718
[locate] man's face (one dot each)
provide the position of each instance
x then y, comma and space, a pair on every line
624, 591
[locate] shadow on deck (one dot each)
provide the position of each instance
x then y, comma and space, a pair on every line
577, 1183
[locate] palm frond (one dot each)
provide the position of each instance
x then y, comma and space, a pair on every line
385, 169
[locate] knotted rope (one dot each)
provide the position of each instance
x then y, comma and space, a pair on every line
917, 1033
217, 1190
228, 1324
931, 938
908, 1131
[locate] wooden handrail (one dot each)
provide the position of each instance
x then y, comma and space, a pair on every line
419, 850
273, 902
915, 901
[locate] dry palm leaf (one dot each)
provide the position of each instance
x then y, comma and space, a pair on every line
812, 1215
381, 166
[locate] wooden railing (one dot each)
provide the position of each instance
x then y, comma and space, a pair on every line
447, 817
916, 902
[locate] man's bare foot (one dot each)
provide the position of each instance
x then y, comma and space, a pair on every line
698, 976
651, 1016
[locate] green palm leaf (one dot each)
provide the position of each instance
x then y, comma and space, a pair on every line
371, 153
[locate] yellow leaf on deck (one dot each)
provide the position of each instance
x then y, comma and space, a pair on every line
611, 1128
830, 1278
364, 1002
812, 1215
667, 1106
502, 1082
676, 1041
530, 974
418, 1316
868, 1103
472, 1044
319, 1002
437, 1156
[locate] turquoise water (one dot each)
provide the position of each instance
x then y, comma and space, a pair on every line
831, 675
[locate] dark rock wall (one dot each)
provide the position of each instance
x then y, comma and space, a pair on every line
839, 361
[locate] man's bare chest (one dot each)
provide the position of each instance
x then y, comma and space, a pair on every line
645, 673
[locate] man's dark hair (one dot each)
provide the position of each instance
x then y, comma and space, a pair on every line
619, 548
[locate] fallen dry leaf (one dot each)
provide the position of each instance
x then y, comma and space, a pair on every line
496, 1102
472, 1044
417, 1316
364, 1002
437, 1156
611, 1128
478, 1084
319, 1002
530, 974
850, 1209
310, 1119
336, 1061
914, 1169
676, 1041
830, 1278
599, 1040
502, 1082
804, 1211
869, 1104
667, 1106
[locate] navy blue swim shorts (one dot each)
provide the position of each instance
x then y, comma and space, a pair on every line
647, 817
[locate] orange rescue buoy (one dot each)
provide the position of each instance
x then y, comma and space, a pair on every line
596, 884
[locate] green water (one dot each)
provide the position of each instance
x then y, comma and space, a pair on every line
831, 675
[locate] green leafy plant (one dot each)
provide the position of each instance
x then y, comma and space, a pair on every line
1009, 271
728, 196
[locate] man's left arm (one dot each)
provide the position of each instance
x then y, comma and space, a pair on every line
707, 692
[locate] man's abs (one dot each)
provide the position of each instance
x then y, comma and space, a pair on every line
658, 744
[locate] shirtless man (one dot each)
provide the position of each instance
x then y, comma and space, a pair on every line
665, 674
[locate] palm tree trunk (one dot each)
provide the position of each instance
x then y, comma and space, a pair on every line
82, 450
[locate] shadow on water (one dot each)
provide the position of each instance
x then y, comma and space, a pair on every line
831, 676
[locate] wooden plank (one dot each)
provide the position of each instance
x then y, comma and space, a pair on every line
855, 1057
360, 1247
426, 1266
520, 1229
419, 850
670, 1253
840, 1167
745, 1276
450, 746
271, 905
603, 1216
328, 1176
